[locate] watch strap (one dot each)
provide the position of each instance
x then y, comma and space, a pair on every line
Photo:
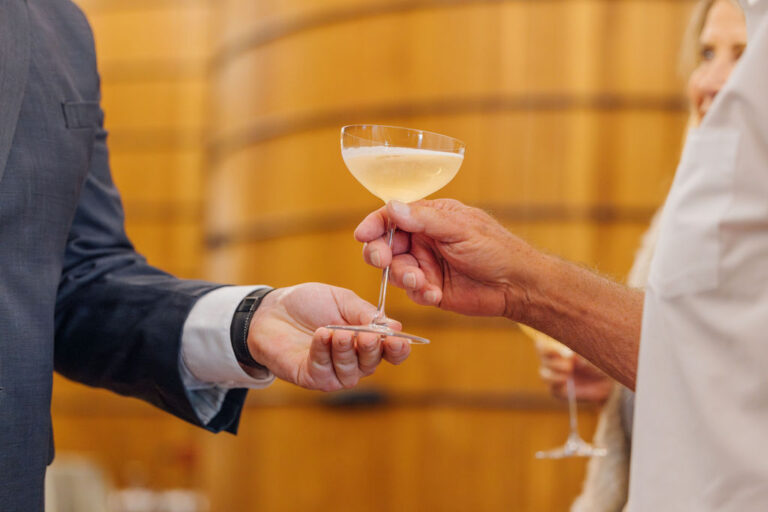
241, 324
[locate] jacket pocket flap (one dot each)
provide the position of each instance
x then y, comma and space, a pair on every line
81, 114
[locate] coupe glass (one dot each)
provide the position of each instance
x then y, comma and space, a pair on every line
574, 446
399, 164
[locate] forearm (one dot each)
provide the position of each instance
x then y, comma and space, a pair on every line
594, 316
122, 330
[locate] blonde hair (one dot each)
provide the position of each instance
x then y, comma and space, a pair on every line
689, 53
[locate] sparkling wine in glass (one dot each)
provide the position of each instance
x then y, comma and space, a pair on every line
399, 164
574, 446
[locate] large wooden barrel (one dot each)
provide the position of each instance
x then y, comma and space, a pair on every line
573, 115
571, 111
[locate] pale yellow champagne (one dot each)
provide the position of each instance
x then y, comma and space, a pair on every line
402, 174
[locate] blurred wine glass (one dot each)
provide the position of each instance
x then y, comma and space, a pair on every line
574, 445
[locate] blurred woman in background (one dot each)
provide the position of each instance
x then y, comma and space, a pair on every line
714, 42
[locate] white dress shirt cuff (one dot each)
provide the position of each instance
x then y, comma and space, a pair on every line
206, 347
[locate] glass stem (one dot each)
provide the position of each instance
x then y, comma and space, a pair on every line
381, 316
572, 408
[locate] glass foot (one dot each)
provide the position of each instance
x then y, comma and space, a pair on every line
383, 330
574, 447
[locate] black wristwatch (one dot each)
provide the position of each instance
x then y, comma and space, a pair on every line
241, 323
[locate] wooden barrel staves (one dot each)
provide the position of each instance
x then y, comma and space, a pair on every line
572, 113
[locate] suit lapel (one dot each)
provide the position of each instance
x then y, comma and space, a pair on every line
14, 63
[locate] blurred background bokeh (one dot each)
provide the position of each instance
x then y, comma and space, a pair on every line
224, 121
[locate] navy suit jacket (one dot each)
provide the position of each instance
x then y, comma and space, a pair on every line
74, 295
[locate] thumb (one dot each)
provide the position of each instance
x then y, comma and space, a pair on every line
353, 309
432, 218
356, 311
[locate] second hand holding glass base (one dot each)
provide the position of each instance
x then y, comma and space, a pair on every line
380, 323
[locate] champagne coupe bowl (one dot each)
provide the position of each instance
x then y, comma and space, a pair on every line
401, 164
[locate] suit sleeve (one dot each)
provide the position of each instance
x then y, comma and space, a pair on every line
119, 321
